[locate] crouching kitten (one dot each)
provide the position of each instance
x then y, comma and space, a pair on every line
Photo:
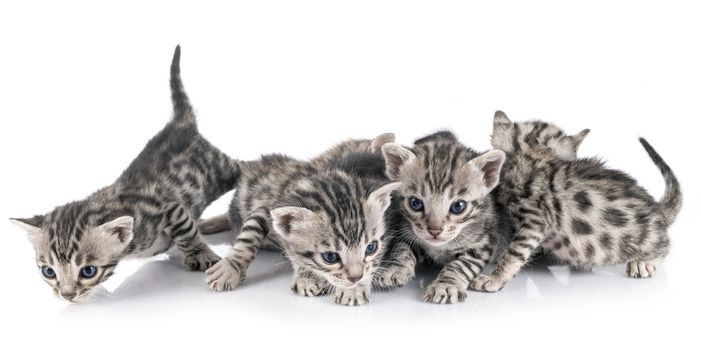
153, 205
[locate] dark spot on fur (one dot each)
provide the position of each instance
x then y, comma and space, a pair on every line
581, 227
583, 201
590, 251
615, 217
606, 241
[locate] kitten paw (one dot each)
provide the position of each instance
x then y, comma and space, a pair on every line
223, 276
352, 297
309, 287
641, 269
200, 261
392, 277
487, 283
445, 293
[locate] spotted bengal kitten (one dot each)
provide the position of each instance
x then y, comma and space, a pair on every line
452, 220
329, 222
153, 205
577, 210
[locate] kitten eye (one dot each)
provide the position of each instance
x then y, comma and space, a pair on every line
48, 272
416, 204
88, 271
371, 248
330, 257
458, 207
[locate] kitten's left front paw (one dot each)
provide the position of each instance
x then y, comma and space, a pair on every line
223, 276
359, 295
392, 277
309, 286
200, 261
445, 293
487, 283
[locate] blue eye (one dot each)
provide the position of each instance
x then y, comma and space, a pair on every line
416, 204
88, 271
458, 207
371, 248
48, 272
330, 257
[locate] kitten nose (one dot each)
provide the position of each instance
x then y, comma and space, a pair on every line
435, 232
68, 296
355, 278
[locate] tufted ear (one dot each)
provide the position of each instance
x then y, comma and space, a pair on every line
31, 225
382, 197
120, 229
500, 118
380, 140
578, 138
396, 157
289, 220
489, 164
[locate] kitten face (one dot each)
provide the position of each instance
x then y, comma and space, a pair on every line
342, 247
443, 184
73, 259
535, 137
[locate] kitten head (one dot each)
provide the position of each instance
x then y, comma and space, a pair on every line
444, 185
74, 256
535, 137
334, 227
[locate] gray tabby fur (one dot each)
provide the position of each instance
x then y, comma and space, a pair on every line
578, 210
153, 205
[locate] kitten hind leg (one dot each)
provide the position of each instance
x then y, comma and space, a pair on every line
308, 284
229, 272
641, 269
186, 236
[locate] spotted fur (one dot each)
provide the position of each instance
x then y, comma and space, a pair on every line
579, 211
153, 205
439, 171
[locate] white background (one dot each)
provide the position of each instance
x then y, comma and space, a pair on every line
83, 86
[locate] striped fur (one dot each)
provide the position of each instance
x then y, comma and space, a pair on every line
578, 211
154, 204
306, 209
439, 172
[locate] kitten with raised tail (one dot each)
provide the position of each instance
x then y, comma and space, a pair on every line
325, 215
578, 210
452, 221
153, 205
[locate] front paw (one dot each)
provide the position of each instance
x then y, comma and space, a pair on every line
392, 277
309, 286
487, 283
224, 276
359, 295
445, 293
201, 260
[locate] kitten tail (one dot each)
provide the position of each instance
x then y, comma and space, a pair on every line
182, 110
671, 201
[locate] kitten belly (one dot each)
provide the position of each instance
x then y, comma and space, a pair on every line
161, 244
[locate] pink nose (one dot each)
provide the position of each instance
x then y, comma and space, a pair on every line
435, 232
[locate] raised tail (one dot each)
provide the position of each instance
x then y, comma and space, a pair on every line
182, 110
671, 201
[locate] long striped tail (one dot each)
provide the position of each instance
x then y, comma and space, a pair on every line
182, 110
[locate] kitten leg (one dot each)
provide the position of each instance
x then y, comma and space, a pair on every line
520, 249
397, 267
231, 271
308, 284
641, 269
355, 296
186, 236
452, 282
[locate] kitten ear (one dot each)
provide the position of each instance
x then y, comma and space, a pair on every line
31, 225
121, 228
396, 157
500, 118
287, 220
380, 140
578, 138
490, 165
382, 196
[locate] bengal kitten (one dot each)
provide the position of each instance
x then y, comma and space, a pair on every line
153, 205
578, 210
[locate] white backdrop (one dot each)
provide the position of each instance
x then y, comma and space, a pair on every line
83, 86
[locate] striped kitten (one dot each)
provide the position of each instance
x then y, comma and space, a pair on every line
329, 223
577, 210
444, 194
153, 205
